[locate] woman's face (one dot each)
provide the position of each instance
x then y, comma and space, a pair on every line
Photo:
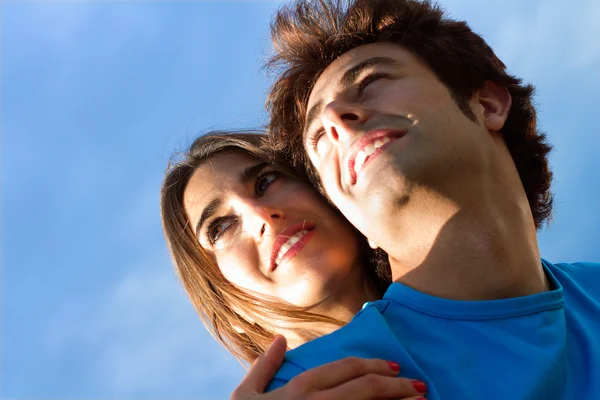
269, 234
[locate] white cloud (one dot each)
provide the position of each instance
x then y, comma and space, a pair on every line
59, 22
586, 34
147, 333
63, 22
554, 36
145, 340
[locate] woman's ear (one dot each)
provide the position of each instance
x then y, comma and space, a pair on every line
494, 102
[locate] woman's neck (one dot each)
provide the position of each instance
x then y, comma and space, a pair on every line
342, 305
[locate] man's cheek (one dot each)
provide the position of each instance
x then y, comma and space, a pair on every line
316, 163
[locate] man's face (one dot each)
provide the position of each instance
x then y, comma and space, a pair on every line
381, 129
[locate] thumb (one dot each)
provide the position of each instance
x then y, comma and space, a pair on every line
262, 370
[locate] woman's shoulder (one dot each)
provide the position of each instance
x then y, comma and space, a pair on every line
367, 336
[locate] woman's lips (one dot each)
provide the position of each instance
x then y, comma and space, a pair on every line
290, 242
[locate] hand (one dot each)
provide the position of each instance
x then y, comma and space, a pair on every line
350, 378
261, 372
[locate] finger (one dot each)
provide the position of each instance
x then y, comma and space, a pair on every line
373, 386
262, 370
335, 373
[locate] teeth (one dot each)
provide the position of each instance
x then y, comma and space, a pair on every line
294, 239
287, 245
359, 161
369, 149
380, 142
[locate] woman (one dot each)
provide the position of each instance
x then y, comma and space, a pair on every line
238, 301
261, 253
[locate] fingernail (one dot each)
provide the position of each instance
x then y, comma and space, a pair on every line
419, 386
394, 366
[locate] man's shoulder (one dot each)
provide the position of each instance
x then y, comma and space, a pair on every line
577, 277
577, 270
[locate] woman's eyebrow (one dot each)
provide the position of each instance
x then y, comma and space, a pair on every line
208, 212
247, 175
250, 173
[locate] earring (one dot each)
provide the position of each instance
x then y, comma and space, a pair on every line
372, 244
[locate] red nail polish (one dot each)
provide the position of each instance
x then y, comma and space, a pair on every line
394, 366
419, 386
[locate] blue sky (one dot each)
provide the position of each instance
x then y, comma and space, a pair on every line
96, 97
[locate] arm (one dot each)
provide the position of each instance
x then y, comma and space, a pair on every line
350, 378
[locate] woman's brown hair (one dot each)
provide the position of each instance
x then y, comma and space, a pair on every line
216, 300
308, 35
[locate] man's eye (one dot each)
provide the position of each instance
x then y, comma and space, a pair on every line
218, 227
367, 80
265, 180
313, 139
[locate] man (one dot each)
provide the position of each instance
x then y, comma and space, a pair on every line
414, 130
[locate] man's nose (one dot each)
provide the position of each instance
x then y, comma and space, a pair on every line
342, 120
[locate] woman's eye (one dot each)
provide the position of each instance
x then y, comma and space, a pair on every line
265, 180
218, 227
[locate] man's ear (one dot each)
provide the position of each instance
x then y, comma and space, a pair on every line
495, 102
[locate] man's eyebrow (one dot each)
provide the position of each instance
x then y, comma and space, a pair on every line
348, 79
312, 114
353, 73
208, 212
247, 175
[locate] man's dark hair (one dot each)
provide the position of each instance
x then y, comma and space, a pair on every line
308, 35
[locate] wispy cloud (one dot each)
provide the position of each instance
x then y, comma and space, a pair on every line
553, 36
143, 336
98, 94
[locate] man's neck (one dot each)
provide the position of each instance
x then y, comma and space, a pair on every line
482, 252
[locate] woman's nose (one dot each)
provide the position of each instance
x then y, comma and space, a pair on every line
264, 220
268, 222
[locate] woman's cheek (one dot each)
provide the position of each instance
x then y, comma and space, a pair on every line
235, 262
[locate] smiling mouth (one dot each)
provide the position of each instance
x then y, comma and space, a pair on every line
367, 148
290, 242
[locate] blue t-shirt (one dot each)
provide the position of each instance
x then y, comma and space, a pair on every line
543, 346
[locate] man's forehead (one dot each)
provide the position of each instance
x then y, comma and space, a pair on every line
332, 75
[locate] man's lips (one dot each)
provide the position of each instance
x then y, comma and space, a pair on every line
366, 144
285, 238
